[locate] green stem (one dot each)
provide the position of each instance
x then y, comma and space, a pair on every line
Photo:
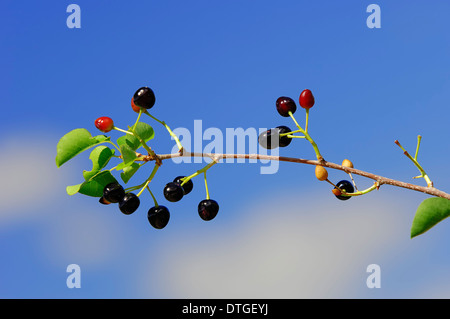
172, 134
295, 136
149, 179
154, 199
138, 118
123, 131
206, 186
292, 132
308, 137
117, 148
307, 120
367, 190
419, 138
416, 163
203, 170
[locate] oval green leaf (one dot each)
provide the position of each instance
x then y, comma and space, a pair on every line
430, 212
100, 157
143, 130
93, 187
128, 154
75, 142
129, 171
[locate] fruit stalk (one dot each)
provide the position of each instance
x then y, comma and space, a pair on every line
172, 134
308, 137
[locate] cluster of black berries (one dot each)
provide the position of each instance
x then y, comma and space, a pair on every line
158, 216
174, 191
114, 193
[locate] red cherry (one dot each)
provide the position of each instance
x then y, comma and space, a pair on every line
306, 99
134, 106
104, 124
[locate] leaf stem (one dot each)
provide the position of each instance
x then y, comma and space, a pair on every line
117, 148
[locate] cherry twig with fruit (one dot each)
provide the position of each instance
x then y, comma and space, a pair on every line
100, 182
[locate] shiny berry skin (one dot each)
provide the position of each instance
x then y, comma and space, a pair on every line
113, 192
306, 99
144, 97
187, 188
103, 201
129, 204
173, 192
104, 124
208, 209
158, 217
284, 140
265, 138
347, 186
284, 105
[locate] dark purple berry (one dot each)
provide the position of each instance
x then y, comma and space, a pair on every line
284, 140
129, 203
347, 186
284, 105
173, 192
271, 139
144, 97
103, 201
158, 217
113, 192
208, 209
187, 187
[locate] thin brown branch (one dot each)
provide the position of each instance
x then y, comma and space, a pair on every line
380, 179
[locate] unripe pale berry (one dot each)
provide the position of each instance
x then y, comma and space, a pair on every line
321, 173
347, 163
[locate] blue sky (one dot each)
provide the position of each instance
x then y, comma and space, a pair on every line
225, 63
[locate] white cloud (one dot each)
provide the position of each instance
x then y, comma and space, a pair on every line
29, 178
318, 250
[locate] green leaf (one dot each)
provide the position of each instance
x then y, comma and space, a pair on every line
75, 142
143, 130
72, 190
93, 187
100, 157
129, 171
430, 212
128, 154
